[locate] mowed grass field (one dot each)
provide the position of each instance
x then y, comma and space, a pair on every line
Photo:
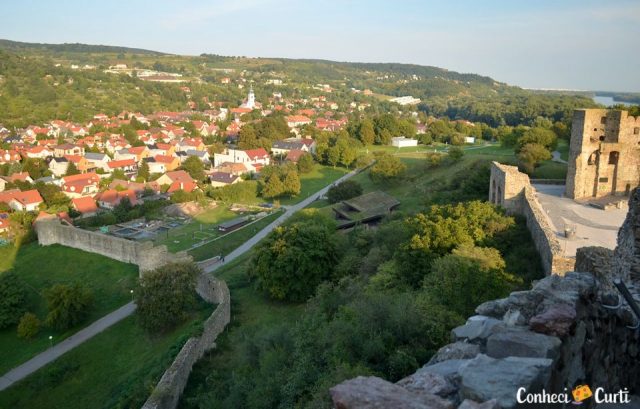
315, 180
41, 267
117, 368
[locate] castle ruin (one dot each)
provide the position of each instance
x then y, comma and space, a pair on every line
604, 154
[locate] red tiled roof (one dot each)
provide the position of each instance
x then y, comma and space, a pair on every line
256, 153
114, 164
85, 205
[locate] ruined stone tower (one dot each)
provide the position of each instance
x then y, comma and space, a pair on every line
604, 154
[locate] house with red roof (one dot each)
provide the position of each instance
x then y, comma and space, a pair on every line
18, 177
254, 158
111, 198
29, 200
126, 165
85, 205
177, 180
294, 121
85, 184
38, 152
68, 149
8, 156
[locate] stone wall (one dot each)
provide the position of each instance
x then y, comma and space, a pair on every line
603, 153
550, 339
145, 255
512, 190
167, 392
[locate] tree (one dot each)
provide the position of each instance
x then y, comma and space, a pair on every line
13, 295
194, 167
72, 169
144, 172
305, 163
291, 183
387, 168
343, 191
540, 136
273, 187
293, 260
166, 295
476, 272
456, 153
366, 133
532, 154
68, 305
29, 326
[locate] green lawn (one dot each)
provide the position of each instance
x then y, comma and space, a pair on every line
233, 240
550, 170
315, 180
40, 267
117, 368
563, 148
204, 226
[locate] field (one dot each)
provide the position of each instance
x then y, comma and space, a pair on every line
230, 241
40, 267
315, 180
131, 360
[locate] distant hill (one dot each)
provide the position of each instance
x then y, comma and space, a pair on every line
17, 46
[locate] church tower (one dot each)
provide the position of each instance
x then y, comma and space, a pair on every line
251, 99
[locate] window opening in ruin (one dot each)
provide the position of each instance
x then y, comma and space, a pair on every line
592, 158
613, 158
601, 138
636, 130
603, 120
603, 180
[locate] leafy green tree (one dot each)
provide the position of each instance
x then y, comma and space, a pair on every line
333, 155
293, 260
68, 305
476, 272
273, 187
72, 169
343, 191
305, 163
194, 167
532, 154
29, 326
144, 172
291, 183
387, 168
35, 167
13, 295
366, 133
456, 153
540, 136
166, 296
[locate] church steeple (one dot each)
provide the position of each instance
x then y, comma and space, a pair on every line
251, 99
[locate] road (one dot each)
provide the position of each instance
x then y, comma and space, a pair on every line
123, 312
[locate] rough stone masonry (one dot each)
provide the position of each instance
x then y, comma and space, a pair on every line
553, 337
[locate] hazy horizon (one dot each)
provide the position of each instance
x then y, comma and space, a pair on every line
546, 45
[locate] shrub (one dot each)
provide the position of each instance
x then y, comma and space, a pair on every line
343, 191
68, 304
29, 326
13, 295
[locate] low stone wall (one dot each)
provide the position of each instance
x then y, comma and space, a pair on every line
548, 340
168, 390
544, 237
145, 255
512, 190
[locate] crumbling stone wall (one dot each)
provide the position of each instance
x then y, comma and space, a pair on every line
145, 255
167, 392
553, 337
512, 190
604, 153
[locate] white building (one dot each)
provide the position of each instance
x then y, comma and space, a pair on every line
406, 100
402, 142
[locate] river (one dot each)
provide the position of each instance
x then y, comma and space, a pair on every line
609, 101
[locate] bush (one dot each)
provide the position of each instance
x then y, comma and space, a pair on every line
305, 163
387, 168
243, 192
166, 295
456, 153
13, 295
29, 326
343, 191
68, 304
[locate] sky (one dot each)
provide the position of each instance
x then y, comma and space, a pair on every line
569, 44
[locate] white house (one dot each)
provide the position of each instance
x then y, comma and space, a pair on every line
256, 158
58, 166
402, 142
469, 139
293, 144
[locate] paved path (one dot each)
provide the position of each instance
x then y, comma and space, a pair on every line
123, 312
208, 266
67, 345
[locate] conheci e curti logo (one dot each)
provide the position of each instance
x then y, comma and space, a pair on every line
577, 396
